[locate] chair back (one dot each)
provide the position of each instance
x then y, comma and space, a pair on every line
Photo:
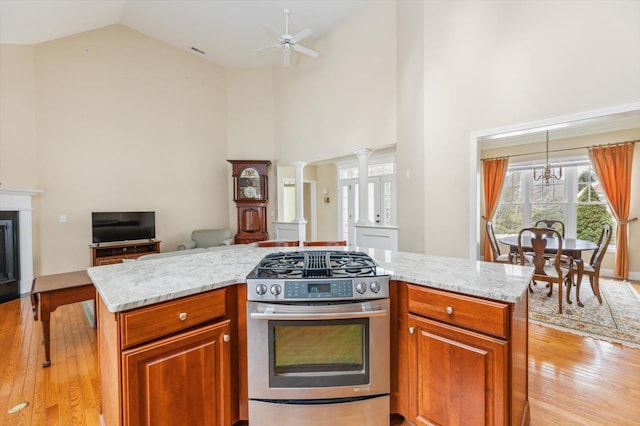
493, 242
539, 238
603, 242
558, 225
276, 243
324, 243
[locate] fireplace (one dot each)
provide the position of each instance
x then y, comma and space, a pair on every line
16, 216
9, 257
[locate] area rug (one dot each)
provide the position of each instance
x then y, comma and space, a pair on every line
617, 320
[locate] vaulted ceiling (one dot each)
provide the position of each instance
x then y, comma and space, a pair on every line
227, 31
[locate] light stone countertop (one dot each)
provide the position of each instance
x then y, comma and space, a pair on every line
130, 285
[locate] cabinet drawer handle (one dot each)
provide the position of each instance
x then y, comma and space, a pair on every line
226, 337
449, 310
412, 330
182, 316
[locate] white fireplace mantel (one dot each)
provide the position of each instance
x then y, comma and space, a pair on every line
19, 200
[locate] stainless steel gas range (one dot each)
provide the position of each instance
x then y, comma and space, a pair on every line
318, 339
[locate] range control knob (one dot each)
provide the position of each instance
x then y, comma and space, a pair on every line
276, 289
261, 289
361, 287
375, 286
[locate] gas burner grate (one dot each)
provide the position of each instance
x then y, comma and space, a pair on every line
316, 264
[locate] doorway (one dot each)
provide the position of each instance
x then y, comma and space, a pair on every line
582, 123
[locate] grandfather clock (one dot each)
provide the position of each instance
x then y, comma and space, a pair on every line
250, 192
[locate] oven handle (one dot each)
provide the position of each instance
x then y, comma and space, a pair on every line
324, 315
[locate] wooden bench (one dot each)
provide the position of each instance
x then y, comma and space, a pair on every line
50, 291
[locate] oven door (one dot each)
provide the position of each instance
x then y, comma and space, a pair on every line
314, 351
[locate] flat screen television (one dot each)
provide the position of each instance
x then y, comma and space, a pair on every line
122, 226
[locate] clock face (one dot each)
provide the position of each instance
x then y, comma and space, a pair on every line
250, 192
249, 184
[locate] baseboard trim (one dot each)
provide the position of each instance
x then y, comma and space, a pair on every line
608, 273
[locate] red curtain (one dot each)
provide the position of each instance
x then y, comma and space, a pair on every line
612, 164
493, 173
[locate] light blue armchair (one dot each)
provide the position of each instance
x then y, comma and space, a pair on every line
205, 238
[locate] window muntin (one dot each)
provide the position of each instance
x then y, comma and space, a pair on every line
576, 199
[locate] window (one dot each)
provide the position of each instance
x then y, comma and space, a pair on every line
577, 200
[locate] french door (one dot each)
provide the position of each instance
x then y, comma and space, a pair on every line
349, 209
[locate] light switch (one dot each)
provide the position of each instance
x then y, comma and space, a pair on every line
63, 218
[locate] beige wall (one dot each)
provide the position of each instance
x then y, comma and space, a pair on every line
250, 128
123, 122
519, 152
18, 144
133, 123
411, 126
493, 64
327, 178
346, 99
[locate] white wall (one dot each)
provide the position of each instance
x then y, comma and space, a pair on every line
492, 63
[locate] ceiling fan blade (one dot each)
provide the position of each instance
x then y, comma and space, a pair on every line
287, 55
271, 32
267, 49
301, 35
306, 51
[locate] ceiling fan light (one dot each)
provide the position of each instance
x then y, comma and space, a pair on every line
286, 42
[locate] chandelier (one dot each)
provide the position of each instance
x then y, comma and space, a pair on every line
547, 172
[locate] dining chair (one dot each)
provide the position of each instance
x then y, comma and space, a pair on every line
558, 225
324, 243
495, 249
592, 269
278, 243
553, 273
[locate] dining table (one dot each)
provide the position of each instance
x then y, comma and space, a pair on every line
570, 246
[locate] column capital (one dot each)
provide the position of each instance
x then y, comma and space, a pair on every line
297, 164
363, 151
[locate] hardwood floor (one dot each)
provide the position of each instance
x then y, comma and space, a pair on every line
572, 380
65, 393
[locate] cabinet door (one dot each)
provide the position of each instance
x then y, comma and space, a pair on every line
457, 377
181, 380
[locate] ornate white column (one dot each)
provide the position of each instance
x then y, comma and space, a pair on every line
363, 185
299, 165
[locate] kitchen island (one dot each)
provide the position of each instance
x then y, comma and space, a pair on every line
184, 309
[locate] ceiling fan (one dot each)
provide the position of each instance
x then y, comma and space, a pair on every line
286, 42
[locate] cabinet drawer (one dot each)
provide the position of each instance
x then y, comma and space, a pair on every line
160, 320
474, 314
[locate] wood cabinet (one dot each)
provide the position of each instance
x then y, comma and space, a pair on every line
465, 359
109, 253
183, 379
168, 363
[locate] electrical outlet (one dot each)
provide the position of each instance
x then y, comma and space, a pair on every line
63, 218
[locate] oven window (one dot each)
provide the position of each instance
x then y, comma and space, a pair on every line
319, 353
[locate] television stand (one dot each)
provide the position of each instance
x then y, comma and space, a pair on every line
116, 252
